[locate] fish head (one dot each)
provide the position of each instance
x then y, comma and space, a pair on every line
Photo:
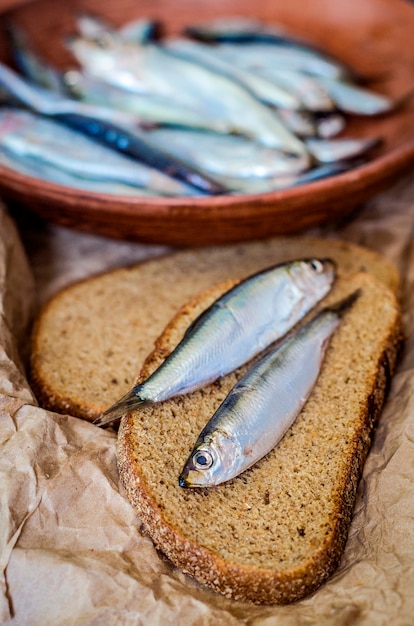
314, 275
91, 56
211, 462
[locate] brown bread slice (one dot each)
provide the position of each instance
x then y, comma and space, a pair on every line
90, 340
276, 532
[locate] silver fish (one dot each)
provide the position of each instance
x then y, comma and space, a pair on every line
52, 103
354, 99
245, 30
26, 135
261, 55
330, 151
44, 171
232, 29
92, 27
262, 87
226, 155
309, 93
232, 330
324, 170
144, 109
263, 405
153, 69
284, 181
150, 108
120, 137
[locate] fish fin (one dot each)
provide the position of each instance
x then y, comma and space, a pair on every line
200, 319
217, 304
127, 403
196, 323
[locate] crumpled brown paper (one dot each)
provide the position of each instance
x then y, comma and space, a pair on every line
71, 549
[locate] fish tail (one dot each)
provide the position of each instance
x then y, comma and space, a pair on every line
127, 403
404, 100
345, 304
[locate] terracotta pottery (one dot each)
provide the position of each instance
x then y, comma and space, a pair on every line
375, 37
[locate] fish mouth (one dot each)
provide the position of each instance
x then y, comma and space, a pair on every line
183, 482
186, 479
194, 480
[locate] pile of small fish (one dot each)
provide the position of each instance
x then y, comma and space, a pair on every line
248, 319
234, 106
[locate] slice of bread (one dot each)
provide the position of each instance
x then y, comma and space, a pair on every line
277, 531
90, 340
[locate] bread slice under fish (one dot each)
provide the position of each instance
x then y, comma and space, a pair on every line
277, 531
90, 340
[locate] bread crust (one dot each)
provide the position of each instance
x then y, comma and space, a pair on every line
232, 577
49, 395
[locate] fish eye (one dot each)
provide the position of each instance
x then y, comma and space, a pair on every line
316, 265
202, 460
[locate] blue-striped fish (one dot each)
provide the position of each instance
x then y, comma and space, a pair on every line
119, 137
26, 135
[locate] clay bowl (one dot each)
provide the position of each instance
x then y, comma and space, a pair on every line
373, 36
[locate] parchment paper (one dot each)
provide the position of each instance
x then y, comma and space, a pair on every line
71, 549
